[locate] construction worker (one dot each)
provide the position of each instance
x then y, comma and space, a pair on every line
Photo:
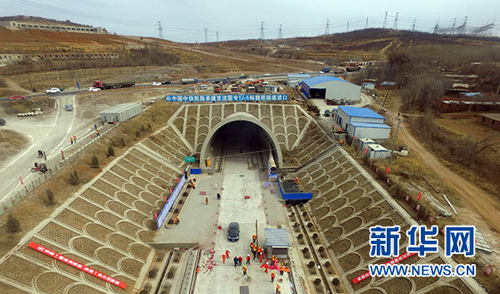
206, 199
297, 180
235, 259
261, 256
244, 270
248, 259
240, 259
71, 140
74, 138
227, 253
97, 133
273, 275
254, 253
254, 237
273, 258
278, 288
282, 269
223, 259
176, 220
218, 196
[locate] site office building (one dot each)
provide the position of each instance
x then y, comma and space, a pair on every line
361, 122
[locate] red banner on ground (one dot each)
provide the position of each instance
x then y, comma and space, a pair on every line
77, 265
390, 262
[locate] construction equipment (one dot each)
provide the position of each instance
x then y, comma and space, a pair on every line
40, 167
103, 86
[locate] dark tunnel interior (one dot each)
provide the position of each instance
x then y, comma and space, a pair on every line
241, 137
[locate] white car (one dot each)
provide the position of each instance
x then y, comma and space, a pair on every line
267, 75
53, 91
93, 89
155, 84
265, 83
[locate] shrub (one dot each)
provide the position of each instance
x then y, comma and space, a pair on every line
13, 225
74, 179
94, 162
111, 151
50, 197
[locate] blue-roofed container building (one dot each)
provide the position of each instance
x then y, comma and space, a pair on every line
361, 122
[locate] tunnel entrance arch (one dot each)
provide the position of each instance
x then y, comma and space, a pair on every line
247, 118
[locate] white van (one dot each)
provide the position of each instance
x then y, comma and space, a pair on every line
203, 87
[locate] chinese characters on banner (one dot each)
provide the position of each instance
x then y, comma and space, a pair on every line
77, 265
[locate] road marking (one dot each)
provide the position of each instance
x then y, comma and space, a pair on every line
24, 153
69, 129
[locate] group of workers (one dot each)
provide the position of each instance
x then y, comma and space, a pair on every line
257, 251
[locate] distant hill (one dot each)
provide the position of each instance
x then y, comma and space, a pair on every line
36, 19
369, 43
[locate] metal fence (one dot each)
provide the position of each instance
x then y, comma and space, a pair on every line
54, 164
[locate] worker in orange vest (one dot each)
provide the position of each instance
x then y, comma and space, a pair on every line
297, 180
244, 270
273, 275
282, 269
278, 288
254, 237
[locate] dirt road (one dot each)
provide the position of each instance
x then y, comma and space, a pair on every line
476, 201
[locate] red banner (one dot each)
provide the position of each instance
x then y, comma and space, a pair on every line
77, 265
419, 195
390, 262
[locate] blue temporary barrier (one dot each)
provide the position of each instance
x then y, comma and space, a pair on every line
170, 202
196, 171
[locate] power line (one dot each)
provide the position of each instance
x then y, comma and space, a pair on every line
327, 28
385, 21
413, 27
366, 25
261, 31
206, 35
217, 36
280, 33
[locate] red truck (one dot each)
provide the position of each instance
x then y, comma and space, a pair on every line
105, 86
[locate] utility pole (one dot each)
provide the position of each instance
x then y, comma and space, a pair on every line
366, 24
395, 26
395, 138
413, 26
217, 36
280, 33
261, 31
385, 21
347, 27
160, 30
206, 35
327, 28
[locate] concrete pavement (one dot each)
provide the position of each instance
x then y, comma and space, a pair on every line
50, 134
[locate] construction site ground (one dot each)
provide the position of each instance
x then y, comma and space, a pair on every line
200, 223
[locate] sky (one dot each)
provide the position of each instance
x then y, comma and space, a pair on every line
186, 20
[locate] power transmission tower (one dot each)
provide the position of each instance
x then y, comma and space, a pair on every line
217, 36
280, 33
413, 26
206, 35
327, 28
395, 26
160, 30
366, 24
347, 27
261, 31
385, 20
453, 27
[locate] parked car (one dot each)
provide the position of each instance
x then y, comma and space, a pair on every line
233, 232
166, 82
53, 91
93, 89
155, 84
327, 112
2, 121
265, 83
68, 107
203, 87
243, 76
17, 97
267, 75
